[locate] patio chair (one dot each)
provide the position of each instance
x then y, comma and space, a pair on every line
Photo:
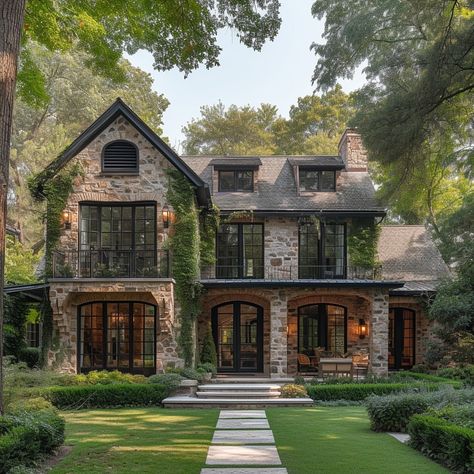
360, 364
304, 364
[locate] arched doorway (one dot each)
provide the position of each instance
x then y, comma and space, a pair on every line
237, 328
117, 336
401, 338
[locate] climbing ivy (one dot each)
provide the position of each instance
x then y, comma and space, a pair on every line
209, 223
362, 243
185, 244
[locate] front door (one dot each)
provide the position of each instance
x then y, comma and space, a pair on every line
238, 333
401, 339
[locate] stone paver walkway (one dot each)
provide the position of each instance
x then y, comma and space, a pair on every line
243, 438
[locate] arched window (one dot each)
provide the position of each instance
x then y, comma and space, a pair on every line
120, 156
117, 336
322, 326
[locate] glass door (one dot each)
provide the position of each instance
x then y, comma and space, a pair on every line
401, 339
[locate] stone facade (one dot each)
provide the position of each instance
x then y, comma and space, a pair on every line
378, 334
352, 151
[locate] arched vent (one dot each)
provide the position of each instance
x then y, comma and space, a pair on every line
120, 157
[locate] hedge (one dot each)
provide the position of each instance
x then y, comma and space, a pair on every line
393, 412
26, 437
445, 442
361, 391
105, 396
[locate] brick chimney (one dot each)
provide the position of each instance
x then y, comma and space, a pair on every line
352, 151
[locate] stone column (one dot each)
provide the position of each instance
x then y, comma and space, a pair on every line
278, 334
378, 335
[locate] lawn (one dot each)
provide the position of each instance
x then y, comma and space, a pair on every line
146, 440
338, 440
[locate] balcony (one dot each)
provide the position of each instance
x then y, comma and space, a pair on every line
290, 272
111, 264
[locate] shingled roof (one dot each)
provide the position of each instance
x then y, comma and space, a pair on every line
276, 188
408, 253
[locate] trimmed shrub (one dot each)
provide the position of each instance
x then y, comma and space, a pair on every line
443, 441
102, 377
27, 436
361, 391
462, 415
208, 350
393, 412
291, 390
186, 372
299, 380
30, 355
463, 374
106, 396
170, 381
30, 404
207, 367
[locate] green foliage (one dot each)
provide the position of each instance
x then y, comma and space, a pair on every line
362, 243
105, 396
208, 350
20, 263
30, 404
314, 126
207, 368
209, 224
170, 381
16, 314
464, 374
186, 372
290, 390
30, 355
361, 391
445, 442
27, 436
185, 247
299, 380
462, 415
102, 377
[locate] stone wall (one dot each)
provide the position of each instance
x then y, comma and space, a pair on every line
281, 246
378, 334
352, 151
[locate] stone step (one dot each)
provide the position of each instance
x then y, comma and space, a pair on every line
239, 387
252, 380
238, 394
244, 470
235, 403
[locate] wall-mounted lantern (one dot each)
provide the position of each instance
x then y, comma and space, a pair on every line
66, 218
167, 216
362, 328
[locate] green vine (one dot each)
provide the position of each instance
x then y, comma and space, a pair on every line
362, 243
185, 247
55, 190
209, 223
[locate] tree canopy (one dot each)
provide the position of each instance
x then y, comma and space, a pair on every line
314, 126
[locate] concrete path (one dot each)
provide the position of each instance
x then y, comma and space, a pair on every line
243, 438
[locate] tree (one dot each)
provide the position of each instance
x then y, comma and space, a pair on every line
415, 112
76, 97
20, 264
314, 126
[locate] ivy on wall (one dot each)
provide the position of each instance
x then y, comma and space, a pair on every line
55, 190
362, 242
209, 223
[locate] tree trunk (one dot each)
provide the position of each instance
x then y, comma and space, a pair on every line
11, 23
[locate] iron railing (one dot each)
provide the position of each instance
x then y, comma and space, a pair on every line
290, 272
111, 264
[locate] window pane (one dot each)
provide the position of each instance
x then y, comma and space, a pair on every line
327, 181
308, 180
244, 180
226, 181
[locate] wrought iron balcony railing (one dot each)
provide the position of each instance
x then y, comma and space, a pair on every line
111, 264
290, 272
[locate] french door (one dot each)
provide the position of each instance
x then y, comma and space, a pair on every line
238, 333
401, 338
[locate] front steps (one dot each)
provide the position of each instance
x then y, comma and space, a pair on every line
236, 395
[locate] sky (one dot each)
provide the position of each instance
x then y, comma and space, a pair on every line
278, 74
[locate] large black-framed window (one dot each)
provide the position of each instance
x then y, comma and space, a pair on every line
401, 338
315, 180
118, 238
322, 326
322, 250
235, 180
239, 251
117, 335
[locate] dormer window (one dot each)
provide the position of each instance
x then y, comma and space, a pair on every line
120, 157
236, 180
315, 180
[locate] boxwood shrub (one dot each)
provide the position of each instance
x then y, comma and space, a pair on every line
361, 391
443, 441
104, 396
25, 437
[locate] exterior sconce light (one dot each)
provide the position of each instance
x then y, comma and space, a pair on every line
362, 328
167, 216
66, 218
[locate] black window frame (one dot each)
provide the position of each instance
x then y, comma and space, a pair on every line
396, 337
238, 271
118, 170
318, 270
319, 171
149, 370
235, 188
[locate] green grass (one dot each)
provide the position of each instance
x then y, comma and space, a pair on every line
338, 440
145, 440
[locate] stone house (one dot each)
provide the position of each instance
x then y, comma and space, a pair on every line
288, 279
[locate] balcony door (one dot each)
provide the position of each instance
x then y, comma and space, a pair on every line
401, 338
238, 334
117, 239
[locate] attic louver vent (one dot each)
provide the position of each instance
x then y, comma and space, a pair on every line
120, 157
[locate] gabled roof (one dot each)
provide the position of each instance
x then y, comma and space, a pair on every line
119, 108
276, 190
